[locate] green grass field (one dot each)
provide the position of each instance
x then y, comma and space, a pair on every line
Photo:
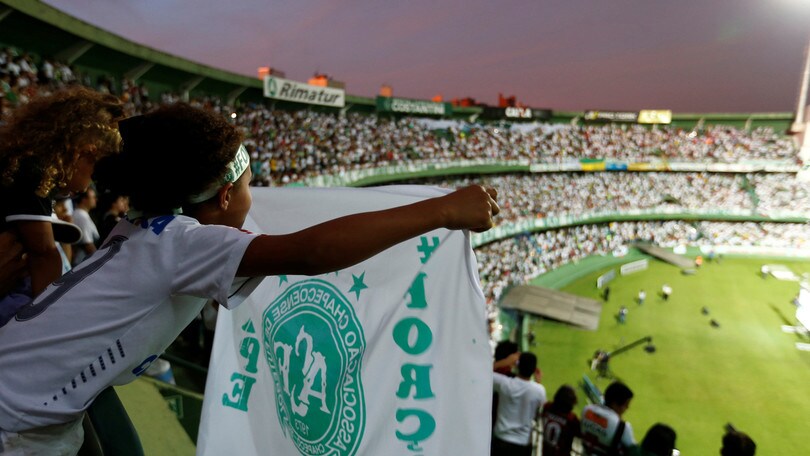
747, 371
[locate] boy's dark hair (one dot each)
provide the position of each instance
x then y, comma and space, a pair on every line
504, 349
617, 393
737, 443
169, 155
659, 440
527, 364
564, 400
38, 145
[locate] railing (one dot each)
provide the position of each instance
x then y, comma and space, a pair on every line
529, 225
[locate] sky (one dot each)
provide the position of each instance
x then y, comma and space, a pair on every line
684, 55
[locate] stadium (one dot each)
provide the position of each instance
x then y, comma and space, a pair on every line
596, 207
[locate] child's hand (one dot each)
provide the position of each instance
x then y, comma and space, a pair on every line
470, 208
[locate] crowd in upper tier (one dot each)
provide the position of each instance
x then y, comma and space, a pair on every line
291, 146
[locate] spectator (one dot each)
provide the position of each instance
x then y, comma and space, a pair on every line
519, 404
115, 207
82, 205
49, 147
560, 423
737, 443
603, 430
659, 441
503, 351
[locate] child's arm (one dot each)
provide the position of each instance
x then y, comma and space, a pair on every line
44, 261
345, 241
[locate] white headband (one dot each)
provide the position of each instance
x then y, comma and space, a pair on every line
235, 168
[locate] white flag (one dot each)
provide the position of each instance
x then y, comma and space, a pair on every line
388, 357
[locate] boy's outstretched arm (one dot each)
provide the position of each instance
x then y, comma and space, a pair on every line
345, 241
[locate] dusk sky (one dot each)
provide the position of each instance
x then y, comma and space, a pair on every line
684, 55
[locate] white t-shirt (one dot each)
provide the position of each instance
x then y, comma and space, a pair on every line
107, 320
599, 425
89, 234
519, 402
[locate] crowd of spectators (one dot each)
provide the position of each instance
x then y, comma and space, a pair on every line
776, 192
23, 76
516, 261
294, 146
717, 143
555, 194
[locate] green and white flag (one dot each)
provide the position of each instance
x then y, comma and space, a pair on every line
388, 357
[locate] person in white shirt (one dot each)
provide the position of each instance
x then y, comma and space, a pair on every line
83, 204
603, 431
520, 402
105, 322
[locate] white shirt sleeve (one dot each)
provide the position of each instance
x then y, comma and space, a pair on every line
208, 257
85, 223
627, 439
499, 381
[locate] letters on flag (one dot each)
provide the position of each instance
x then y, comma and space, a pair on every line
388, 357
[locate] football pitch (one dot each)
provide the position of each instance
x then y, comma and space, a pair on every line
747, 371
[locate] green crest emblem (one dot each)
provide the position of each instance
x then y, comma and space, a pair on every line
314, 345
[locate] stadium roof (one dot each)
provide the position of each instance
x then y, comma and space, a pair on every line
40, 28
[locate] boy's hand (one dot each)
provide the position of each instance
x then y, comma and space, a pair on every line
470, 208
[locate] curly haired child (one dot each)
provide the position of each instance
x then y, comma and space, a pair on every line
49, 147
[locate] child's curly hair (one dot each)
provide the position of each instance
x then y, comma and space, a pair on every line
38, 146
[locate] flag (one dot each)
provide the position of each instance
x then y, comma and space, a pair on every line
387, 357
